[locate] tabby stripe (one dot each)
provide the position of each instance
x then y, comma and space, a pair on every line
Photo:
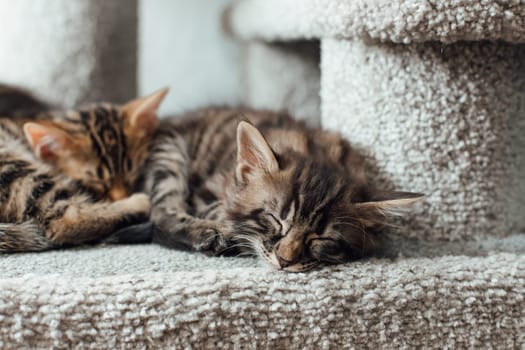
324, 210
211, 208
211, 133
294, 195
217, 161
198, 141
255, 216
160, 175
61, 194
7, 177
117, 156
98, 144
43, 184
123, 143
15, 162
157, 200
54, 214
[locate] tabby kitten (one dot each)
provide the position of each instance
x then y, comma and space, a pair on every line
236, 181
58, 170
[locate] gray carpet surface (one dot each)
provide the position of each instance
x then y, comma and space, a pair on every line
146, 296
110, 260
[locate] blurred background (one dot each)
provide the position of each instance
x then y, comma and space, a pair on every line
182, 44
75, 51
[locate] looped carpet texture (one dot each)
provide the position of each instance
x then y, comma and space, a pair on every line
398, 21
145, 296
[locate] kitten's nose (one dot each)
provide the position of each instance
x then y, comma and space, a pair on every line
288, 251
283, 262
117, 192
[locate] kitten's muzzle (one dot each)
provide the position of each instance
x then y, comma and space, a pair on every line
283, 262
289, 249
117, 192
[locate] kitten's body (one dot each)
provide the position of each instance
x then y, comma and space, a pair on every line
217, 186
19, 103
57, 170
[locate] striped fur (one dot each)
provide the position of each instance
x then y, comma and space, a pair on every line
67, 177
291, 194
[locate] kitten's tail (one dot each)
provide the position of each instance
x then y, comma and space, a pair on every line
23, 237
134, 234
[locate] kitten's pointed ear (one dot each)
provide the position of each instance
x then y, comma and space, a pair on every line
141, 113
254, 155
47, 142
390, 202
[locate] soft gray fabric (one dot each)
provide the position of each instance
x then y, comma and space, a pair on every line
146, 296
111, 260
444, 120
70, 52
399, 21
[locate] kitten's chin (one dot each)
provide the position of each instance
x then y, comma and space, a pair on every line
299, 267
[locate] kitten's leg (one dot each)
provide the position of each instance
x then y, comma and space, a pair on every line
83, 221
167, 184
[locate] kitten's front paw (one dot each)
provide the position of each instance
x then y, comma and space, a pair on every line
211, 242
138, 203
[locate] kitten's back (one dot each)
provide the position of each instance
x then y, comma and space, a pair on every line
17, 102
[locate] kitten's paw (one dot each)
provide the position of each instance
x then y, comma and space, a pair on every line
210, 242
138, 203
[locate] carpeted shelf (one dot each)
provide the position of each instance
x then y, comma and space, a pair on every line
132, 297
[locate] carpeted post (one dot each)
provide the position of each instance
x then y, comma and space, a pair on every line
445, 120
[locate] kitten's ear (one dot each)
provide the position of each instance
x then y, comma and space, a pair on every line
390, 202
48, 142
372, 213
141, 113
254, 155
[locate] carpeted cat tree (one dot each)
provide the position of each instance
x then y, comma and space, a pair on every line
435, 92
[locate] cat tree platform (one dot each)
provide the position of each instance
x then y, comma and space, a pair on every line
146, 296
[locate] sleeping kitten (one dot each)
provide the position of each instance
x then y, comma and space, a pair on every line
236, 181
57, 170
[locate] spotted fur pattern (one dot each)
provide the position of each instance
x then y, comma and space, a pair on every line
293, 195
67, 177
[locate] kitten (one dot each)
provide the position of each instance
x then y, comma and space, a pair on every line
237, 181
66, 176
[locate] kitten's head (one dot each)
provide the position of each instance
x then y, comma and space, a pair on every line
102, 146
297, 212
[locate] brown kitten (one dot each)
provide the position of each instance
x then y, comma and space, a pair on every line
294, 195
57, 169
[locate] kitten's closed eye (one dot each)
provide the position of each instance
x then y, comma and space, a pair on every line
276, 224
327, 249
